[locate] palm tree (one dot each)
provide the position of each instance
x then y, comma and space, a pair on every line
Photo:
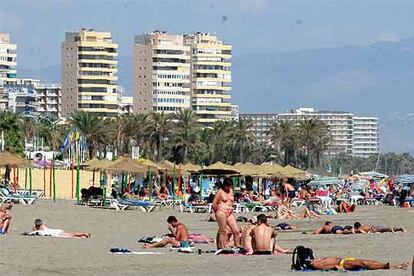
314, 137
157, 132
95, 130
186, 133
284, 137
28, 127
9, 124
241, 139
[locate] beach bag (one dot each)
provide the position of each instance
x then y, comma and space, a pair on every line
302, 258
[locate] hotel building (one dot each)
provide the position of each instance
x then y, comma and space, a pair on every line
89, 73
350, 134
161, 73
50, 99
210, 77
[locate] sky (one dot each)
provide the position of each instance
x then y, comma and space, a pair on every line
251, 26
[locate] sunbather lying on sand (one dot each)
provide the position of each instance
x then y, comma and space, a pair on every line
5, 217
41, 229
368, 228
329, 228
285, 226
334, 263
284, 212
179, 235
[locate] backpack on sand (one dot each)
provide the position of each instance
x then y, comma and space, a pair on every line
302, 258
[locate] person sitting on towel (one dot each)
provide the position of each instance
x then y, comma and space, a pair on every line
41, 229
5, 217
263, 236
179, 236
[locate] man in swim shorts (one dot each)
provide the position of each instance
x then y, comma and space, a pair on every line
368, 228
334, 263
41, 229
285, 226
329, 228
179, 235
263, 238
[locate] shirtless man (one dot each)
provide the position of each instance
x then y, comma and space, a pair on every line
334, 263
179, 234
263, 238
329, 228
364, 229
41, 229
289, 190
5, 217
246, 240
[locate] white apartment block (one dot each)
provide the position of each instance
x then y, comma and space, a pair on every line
50, 99
365, 138
8, 60
210, 77
89, 73
161, 73
127, 105
347, 131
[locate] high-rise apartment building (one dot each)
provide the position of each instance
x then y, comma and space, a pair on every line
161, 73
350, 134
50, 99
127, 105
210, 77
365, 138
8, 60
89, 73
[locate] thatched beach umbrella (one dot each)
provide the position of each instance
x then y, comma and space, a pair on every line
191, 168
128, 165
272, 170
219, 168
7, 158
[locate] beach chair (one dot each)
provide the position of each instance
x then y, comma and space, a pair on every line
6, 196
297, 202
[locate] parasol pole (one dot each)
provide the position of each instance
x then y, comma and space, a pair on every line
201, 186
30, 179
14, 178
93, 177
50, 178
179, 177
73, 176
25, 178
149, 182
104, 188
129, 183
54, 179
78, 181
173, 183
44, 175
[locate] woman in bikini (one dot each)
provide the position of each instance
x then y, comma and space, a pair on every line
223, 208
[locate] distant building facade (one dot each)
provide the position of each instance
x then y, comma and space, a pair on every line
347, 130
127, 105
235, 112
210, 77
8, 60
50, 99
89, 73
161, 73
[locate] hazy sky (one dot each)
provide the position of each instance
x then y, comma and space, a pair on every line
38, 26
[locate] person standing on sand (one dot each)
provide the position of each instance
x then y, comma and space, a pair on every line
263, 238
5, 217
179, 235
223, 208
289, 190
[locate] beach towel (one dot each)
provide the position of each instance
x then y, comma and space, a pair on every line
125, 251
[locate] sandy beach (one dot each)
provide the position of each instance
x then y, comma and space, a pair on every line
23, 255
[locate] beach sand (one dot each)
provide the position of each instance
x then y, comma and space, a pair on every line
23, 255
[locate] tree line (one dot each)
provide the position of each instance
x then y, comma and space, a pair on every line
178, 137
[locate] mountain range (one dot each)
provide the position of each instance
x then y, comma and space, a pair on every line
369, 80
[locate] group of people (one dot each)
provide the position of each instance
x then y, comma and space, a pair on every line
357, 228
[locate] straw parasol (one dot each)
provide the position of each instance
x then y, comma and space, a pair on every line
149, 164
296, 173
96, 164
127, 164
191, 168
7, 158
248, 169
272, 170
219, 168
166, 165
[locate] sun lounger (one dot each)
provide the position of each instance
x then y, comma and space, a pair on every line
6, 196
